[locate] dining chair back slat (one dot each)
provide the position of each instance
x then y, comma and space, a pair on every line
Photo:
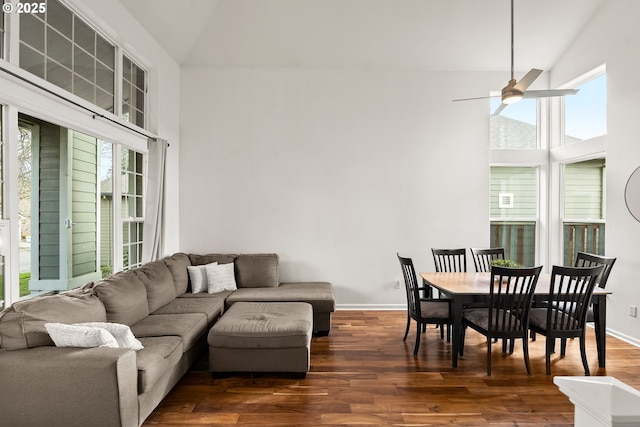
482, 258
450, 260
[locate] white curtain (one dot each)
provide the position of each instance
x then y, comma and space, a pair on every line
153, 230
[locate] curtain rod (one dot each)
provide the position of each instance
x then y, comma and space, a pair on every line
94, 113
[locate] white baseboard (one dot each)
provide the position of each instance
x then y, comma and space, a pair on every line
623, 337
371, 307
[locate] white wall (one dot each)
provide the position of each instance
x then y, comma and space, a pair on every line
336, 170
612, 37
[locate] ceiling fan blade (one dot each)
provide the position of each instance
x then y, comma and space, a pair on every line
528, 78
473, 99
549, 93
499, 109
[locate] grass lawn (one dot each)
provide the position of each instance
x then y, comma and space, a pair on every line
24, 283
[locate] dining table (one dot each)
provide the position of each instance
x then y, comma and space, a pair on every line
464, 289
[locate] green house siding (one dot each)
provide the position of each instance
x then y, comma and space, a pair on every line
84, 205
49, 203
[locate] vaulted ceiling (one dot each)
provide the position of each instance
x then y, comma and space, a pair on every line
458, 35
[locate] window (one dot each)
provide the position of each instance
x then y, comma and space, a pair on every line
584, 214
585, 114
72, 221
132, 208
514, 209
547, 201
133, 92
67, 201
515, 127
62, 49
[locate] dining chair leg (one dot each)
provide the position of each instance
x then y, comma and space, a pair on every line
583, 353
461, 351
563, 346
548, 351
448, 332
406, 332
418, 329
525, 351
489, 357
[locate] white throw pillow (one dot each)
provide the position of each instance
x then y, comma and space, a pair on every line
122, 334
64, 335
198, 276
221, 278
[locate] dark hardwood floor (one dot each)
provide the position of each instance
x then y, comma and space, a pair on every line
364, 374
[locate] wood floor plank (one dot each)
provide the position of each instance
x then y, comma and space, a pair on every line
364, 374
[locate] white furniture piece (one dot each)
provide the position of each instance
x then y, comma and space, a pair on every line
601, 401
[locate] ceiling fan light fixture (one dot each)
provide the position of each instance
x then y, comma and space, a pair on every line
510, 94
511, 99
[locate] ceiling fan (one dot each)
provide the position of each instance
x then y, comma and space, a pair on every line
514, 91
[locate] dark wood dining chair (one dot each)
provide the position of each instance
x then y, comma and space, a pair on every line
450, 260
447, 261
584, 259
507, 315
423, 310
566, 308
482, 258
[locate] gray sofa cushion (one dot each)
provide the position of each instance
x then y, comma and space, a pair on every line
319, 294
22, 324
257, 271
211, 306
157, 358
209, 258
177, 265
158, 282
188, 326
124, 296
263, 325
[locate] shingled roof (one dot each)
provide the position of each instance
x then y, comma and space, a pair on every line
506, 132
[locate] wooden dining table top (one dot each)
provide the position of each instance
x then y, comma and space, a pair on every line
479, 283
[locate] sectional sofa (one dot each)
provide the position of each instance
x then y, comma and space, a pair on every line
44, 384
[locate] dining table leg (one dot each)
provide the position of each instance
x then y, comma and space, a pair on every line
456, 306
600, 325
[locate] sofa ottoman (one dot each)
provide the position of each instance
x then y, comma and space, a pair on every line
262, 337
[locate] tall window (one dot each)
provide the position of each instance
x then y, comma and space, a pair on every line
514, 195
584, 208
134, 80
553, 200
62, 49
132, 208
585, 114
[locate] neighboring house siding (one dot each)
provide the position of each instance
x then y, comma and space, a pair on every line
84, 207
49, 203
584, 190
521, 183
